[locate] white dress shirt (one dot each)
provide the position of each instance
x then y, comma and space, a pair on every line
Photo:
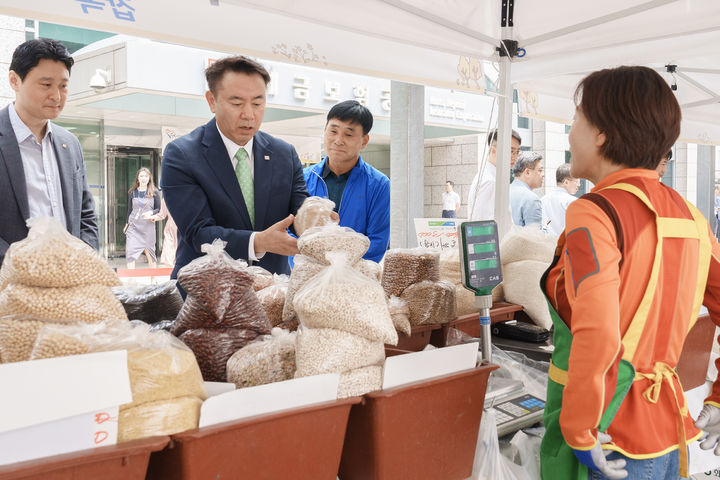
450, 200
555, 204
42, 175
481, 198
232, 149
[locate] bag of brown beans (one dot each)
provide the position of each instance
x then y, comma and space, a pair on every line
50, 257
272, 299
219, 294
318, 241
430, 302
17, 337
214, 347
404, 266
269, 360
314, 212
261, 277
340, 297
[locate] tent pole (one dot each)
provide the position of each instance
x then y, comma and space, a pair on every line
504, 139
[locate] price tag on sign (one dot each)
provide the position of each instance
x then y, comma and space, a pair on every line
437, 233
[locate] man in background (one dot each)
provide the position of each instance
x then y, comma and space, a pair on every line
44, 172
556, 202
451, 201
481, 197
525, 205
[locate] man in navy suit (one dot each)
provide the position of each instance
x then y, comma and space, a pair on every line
42, 173
228, 180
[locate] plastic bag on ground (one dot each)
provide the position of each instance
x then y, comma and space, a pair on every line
164, 417
360, 381
50, 257
318, 241
400, 314
272, 299
326, 350
220, 294
214, 347
150, 303
404, 266
430, 302
314, 212
87, 303
340, 297
269, 360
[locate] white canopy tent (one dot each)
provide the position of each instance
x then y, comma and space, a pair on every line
443, 43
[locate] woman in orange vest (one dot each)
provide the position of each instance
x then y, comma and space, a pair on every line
631, 269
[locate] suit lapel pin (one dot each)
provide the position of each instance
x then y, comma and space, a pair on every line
267, 157
64, 146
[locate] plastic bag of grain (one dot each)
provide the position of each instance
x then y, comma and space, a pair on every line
17, 337
305, 268
404, 266
318, 241
162, 417
314, 212
150, 303
360, 381
213, 347
327, 350
340, 297
369, 268
400, 314
50, 257
272, 299
261, 277
430, 302
272, 359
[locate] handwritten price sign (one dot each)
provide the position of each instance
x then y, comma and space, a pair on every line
437, 233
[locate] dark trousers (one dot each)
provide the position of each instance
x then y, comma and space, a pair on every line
449, 214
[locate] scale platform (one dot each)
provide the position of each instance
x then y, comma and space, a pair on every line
514, 408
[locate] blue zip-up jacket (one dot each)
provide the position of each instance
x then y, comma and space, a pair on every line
365, 204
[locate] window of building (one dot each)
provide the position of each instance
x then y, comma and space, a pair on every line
72, 37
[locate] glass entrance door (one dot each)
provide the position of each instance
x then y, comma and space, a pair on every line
123, 164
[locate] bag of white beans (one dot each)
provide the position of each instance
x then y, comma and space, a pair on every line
314, 212
318, 241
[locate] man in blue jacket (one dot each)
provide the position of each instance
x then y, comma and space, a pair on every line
361, 193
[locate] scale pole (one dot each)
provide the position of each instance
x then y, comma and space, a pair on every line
484, 302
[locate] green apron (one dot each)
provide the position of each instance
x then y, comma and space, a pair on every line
558, 462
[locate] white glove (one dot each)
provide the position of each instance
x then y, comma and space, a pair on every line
595, 459
709, 422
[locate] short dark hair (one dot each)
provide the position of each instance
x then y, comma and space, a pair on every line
238, 64
526, 160
354, 112
452, 184
27, 55
669, 155
492, 136
636, 111
562, 173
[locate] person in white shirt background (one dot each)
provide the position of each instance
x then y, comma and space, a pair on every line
451, 201
555, 203
481, 197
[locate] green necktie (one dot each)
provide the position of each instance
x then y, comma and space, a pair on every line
245, 179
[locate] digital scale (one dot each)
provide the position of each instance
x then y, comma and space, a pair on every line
481, 271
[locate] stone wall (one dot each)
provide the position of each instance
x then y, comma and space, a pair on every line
456, 161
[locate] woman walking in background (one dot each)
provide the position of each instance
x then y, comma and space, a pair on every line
143, 206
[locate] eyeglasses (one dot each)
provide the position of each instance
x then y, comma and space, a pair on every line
514, 152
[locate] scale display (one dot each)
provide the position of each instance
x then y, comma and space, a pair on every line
480, 256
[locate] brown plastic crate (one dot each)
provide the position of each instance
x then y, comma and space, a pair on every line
300, 443
425, 430
392, 351
470, 324
125, 461
419, 337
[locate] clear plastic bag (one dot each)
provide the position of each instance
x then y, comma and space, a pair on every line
267, 361
400, 314
214, 347
220, 294
369, 268
50, 257
326, 350
163, 417
305, 268
272, 299
318, 241
314, 212
340, 297
150, 303
87, 303
404, 266
261, 277
17, 337
360, 381
489, 463
430, 302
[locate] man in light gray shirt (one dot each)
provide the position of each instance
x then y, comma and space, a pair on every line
525, 205
42, 172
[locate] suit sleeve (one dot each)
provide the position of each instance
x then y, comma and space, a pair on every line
188, 204
3, 249
592, 281
88, 216
378, 222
